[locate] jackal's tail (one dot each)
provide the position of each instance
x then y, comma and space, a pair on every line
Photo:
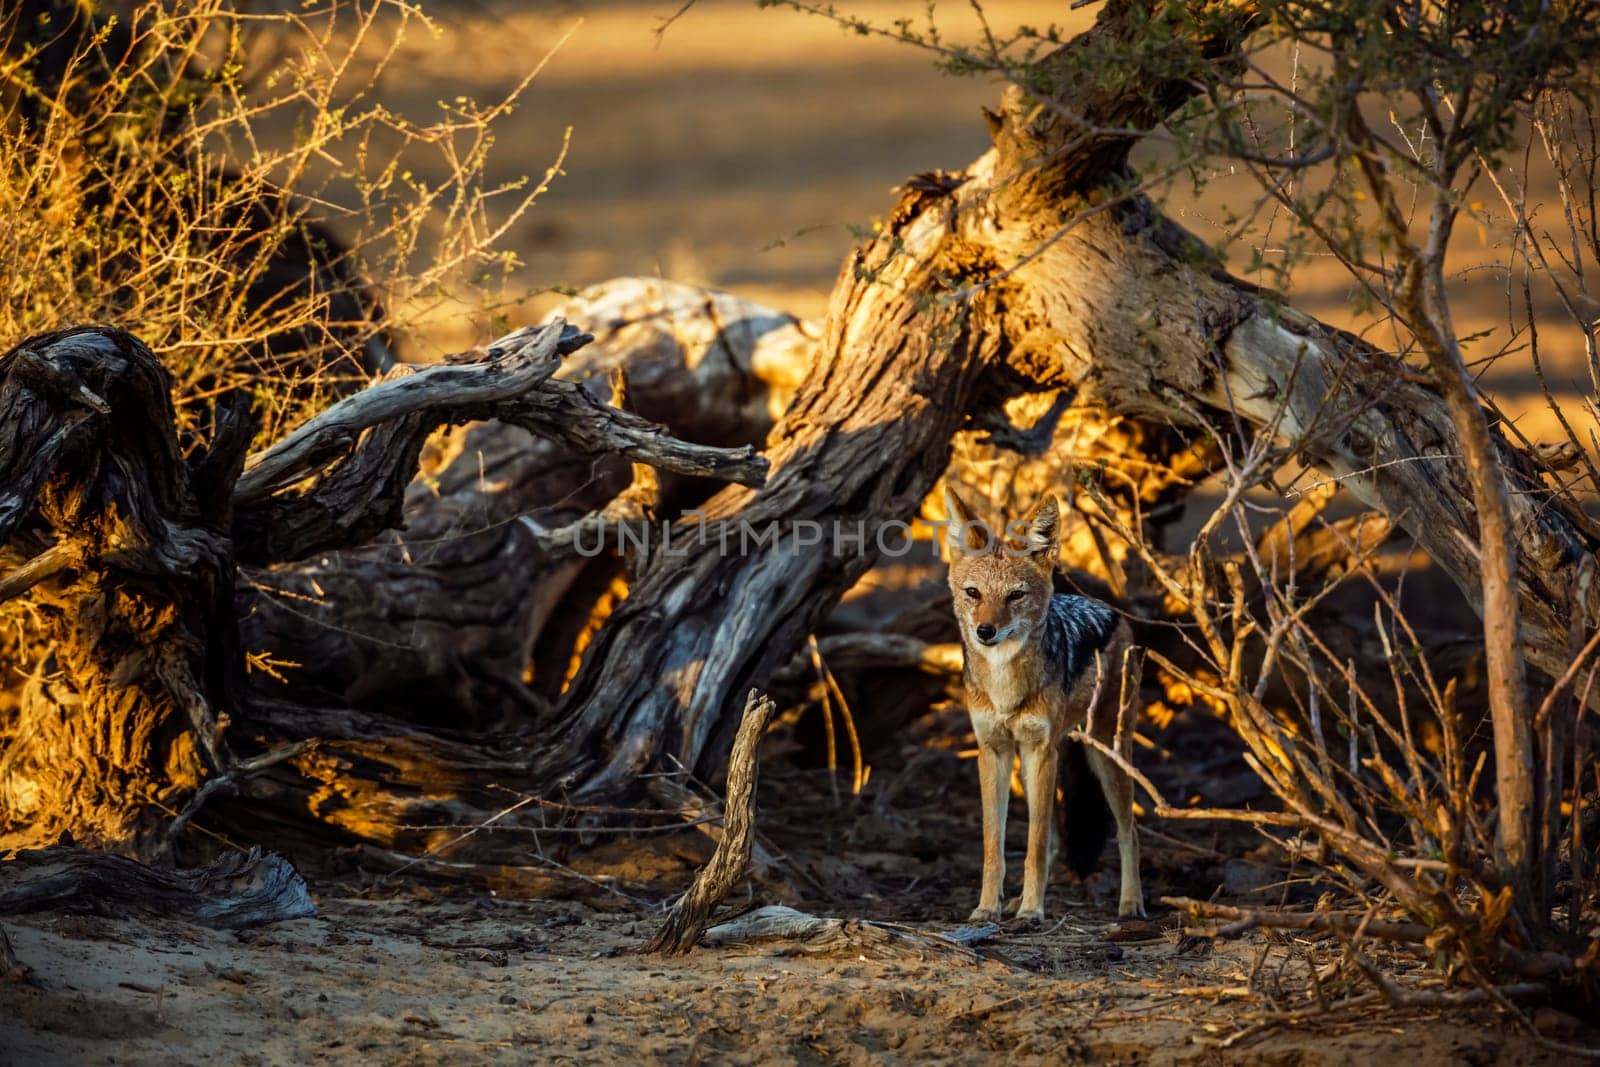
1085, 816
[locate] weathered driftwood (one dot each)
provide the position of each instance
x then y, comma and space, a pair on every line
239, 889
445, 621
810, 935
128, 552
439, 625
864, 439
687, 919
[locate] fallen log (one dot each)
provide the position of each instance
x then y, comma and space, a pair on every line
366, 447
129, 553
239, 889
465, 617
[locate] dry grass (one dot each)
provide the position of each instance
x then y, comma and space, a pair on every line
259, 227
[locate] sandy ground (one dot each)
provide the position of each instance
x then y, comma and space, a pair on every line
546, 967
479, 980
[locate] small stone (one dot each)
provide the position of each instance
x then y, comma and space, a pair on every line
1552, 1022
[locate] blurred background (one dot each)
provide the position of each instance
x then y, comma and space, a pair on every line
737, 147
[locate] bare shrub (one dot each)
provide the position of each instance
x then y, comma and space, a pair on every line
1373, 134
268, 235
268, 229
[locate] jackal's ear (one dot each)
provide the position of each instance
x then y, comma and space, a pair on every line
964, 535
1044, 529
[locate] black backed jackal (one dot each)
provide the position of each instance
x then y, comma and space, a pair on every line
1033, 657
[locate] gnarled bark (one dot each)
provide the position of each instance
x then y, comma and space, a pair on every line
443, 622
129, 552
240, 889
123, 719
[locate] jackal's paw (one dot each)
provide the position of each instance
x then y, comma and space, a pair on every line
1028, 918
981, 914
1131, 909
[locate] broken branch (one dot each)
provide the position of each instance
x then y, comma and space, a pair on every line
688, 917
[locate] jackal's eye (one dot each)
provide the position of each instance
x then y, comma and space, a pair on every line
1016, 594
972, 591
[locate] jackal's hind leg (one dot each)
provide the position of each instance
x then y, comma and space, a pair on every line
1118, 789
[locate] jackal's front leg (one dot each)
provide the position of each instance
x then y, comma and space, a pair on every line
1039, 782
994, 776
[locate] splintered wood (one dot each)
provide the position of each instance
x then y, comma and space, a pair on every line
688, 917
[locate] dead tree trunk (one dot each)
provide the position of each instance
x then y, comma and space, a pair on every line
442, 622
974, 285
919, 317
129, 551
128, 559
866, 436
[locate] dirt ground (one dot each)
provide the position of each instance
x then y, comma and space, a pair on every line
545, 966
422, 980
